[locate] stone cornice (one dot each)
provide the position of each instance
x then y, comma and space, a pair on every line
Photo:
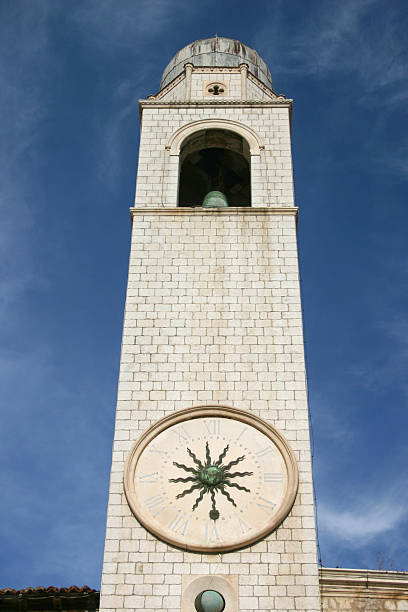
210, 69
355, 583
227, 211
285, 102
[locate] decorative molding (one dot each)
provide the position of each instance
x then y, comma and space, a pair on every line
174, 143
208, 94
356, 583
230, 211
243, 68
168, 87
211, 69
266, 90
188, 69
192, 585
288, 102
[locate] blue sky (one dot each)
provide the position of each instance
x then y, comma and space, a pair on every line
70, 77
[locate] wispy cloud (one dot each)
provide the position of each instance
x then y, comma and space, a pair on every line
108, 28
345, 38
20, 94
333, 422
366, 518
23, 103
54, 481
359, 44
108, 25
395, 161
387, 366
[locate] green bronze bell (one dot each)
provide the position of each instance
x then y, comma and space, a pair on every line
209, 601
215, 199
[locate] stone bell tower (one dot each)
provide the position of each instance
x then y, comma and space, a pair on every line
211, 501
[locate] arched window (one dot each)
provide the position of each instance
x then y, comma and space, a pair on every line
214, 160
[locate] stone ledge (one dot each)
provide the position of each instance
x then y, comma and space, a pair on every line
286, 102
230, 210
338, 582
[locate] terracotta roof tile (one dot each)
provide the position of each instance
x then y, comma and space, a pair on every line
41, 590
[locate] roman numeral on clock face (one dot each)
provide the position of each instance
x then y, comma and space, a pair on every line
178, 525
272, 477
211, 533
181, 433
265, 451
265, 503
153, 449
156, 504
149, 478
244, 528
241, 433
212, 427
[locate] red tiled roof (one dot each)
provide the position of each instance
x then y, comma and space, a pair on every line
46, 599
40, 590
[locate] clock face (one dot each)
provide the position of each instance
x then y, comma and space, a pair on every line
211, 479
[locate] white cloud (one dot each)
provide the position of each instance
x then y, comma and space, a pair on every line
24, 46
107, 28
107, 24
364, 521
386, 367
332, 421
53, 470
395, 161
343, 37
356, 40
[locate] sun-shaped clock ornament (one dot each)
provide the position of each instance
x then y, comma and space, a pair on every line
211, 479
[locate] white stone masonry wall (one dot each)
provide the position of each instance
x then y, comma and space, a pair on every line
255, 93
271, 169
176, 93
213, 314
200, 80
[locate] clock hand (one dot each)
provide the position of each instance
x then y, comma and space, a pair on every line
188, 479
231, 463
221, 457
228, 496
237, 486
200, 498
184, 467
207, 455
234, 474
187, 491
194, 458
214, 514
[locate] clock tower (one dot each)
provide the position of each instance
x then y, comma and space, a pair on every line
211, 497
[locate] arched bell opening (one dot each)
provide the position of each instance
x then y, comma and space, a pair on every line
215, 160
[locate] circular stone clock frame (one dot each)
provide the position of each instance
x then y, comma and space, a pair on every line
180, 540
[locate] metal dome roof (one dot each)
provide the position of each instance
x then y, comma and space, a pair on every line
217, 51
